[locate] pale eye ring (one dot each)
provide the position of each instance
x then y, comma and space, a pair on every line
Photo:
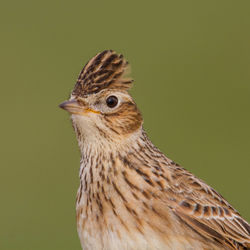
112, 101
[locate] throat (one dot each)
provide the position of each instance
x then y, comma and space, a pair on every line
104, 163
101, 159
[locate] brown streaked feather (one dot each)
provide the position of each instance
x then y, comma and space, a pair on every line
207, 212
105, 70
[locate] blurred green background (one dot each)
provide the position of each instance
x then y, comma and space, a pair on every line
190, 61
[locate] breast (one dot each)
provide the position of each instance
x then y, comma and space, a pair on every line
111, 214
114, 231
111, 240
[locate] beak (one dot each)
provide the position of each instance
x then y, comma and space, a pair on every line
76, 107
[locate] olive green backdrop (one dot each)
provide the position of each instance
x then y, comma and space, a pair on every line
191, 65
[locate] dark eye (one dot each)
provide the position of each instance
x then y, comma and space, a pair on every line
112, 101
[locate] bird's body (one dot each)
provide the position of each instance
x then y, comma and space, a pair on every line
131, 196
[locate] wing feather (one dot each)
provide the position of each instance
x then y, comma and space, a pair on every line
207, 212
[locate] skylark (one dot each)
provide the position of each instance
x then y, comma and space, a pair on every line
132, 196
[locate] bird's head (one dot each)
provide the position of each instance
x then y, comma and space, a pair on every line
100, 104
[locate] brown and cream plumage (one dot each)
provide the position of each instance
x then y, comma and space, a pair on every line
131, 196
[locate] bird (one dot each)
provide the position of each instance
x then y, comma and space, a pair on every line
131, 196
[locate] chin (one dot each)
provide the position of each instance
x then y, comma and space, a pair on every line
84, 126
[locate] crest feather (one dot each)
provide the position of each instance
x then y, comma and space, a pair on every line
105, 70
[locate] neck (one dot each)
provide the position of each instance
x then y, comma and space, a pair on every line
110, 169
104, 149
97, 145
103, 160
